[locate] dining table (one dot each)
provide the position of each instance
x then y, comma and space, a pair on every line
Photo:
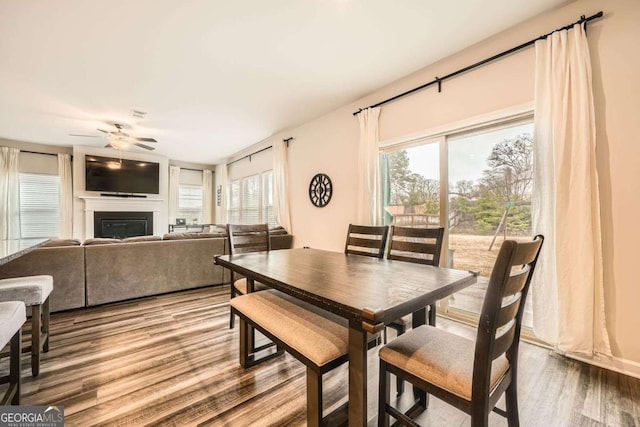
11, 249
369, 292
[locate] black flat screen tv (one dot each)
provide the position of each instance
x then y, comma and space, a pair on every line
121, 175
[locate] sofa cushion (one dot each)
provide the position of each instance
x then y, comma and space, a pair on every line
100, 241
276, 231
141, 239
61, 242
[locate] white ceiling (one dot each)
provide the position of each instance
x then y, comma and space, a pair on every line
216, 76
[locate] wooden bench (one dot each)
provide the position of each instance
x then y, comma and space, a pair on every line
315, 337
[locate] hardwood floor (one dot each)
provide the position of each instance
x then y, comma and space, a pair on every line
172, 360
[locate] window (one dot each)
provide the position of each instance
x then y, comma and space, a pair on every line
190, 203
39, 205
478, 184
251, 200
267, 199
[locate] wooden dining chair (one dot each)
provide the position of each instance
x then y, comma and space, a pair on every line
469, 375
245, 239
419, 246
366, 240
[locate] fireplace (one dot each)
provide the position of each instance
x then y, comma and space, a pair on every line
120, 225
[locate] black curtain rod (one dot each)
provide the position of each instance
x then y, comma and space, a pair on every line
439, 80
39, 152
248, 156
190, 169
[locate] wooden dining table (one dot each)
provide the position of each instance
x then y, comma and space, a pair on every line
369, 292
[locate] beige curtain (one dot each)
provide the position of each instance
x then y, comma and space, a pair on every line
66, 196
174, 186
9, 193
207, 194
281, 208
568, 303
369, 202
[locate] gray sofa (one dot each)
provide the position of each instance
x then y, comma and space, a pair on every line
107, 270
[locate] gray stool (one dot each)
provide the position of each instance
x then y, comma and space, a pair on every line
13, 314
34, 292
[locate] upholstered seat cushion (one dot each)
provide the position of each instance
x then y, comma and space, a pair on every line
241, 286
317, 334
12, 316
32, 290
440, 358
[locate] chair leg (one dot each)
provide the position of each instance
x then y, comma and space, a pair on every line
36, 345
400, 381
45, 325
314, 398
384, 394
232, 317
15, 366
511, 398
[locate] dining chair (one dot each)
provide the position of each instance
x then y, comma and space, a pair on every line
468, 375
419, 246
246, 238
366, 240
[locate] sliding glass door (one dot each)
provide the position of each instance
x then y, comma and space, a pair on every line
477, 184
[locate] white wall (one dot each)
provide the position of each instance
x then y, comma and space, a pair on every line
329, 143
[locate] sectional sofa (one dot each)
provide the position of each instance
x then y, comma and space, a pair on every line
101, 271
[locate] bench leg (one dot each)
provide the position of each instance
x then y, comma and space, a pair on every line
15, 366
314, 398
45, 326
36, 330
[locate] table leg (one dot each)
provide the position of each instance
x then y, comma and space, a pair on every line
357, 377
251, 333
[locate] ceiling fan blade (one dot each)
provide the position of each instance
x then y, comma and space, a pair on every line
145, 139
107, 146
146, 147
105, 131
84, 136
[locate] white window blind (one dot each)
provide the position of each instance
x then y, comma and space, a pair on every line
190, 203
251, 200
267, 199
233, 206
39, 205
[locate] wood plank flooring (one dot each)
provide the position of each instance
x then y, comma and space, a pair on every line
172, 360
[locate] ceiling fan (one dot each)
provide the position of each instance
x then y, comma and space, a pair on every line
121, 140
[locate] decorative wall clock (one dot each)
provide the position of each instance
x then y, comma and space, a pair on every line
320, 190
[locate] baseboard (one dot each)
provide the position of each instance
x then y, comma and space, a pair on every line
616, 364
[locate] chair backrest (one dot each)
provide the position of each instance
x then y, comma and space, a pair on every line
417, 245
501, 317
248, 238
366, 240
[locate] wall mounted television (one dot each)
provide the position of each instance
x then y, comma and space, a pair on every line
121, 175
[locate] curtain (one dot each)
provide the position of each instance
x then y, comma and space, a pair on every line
66, 196
9, 193
281, 208
207, 194
568, 301
174, 192
222, 179
369, 202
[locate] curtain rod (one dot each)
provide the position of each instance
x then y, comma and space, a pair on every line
39, 152
439, 80
248, 156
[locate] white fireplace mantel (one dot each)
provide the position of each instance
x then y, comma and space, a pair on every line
121, 204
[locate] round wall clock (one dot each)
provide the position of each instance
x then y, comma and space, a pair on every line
320, 190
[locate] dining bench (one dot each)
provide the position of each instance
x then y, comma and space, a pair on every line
317, 338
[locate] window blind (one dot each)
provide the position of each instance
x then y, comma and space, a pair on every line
234, 203
190, 203
39, 205
251, 200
